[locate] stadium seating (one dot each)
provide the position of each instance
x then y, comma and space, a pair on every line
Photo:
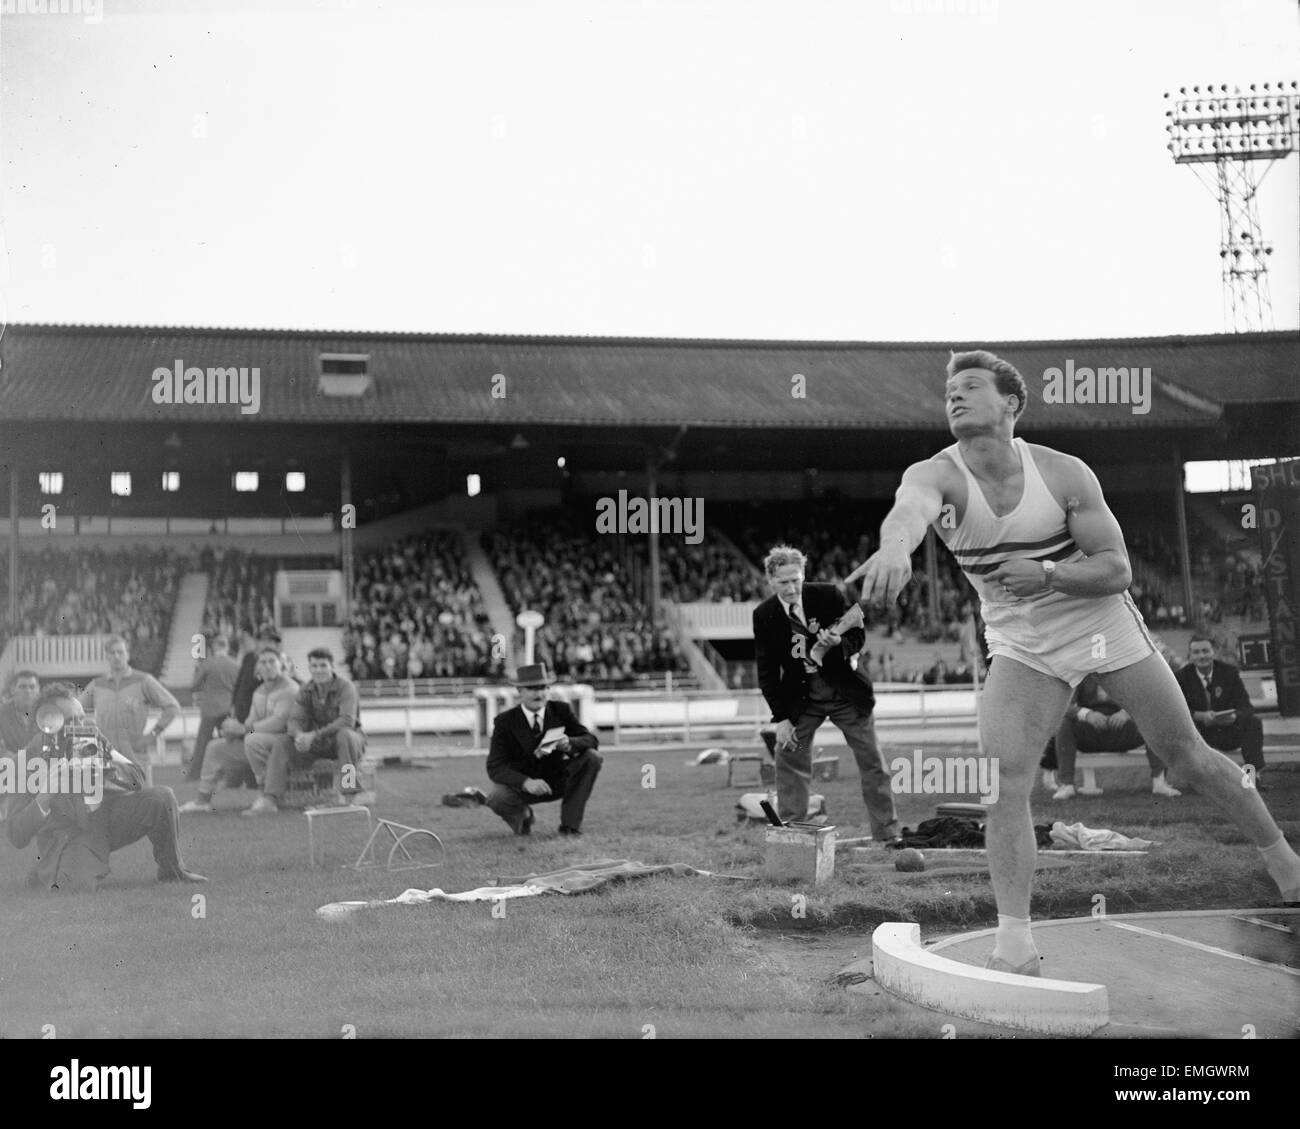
418, 614
128, 591
597, 629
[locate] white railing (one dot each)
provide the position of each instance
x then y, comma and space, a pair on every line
39, 531
718, 621
51, 655
689, 716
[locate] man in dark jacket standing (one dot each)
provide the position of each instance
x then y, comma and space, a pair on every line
805, 674
1221, 709
527, 770
213, 689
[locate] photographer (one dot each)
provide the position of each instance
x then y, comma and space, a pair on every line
75, 835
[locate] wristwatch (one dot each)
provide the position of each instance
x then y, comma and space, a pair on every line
1049, 570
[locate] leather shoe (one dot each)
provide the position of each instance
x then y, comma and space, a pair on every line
570, 831
526, 824
179, 876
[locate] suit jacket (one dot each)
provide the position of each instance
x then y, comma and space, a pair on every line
511, 759
1227, 691
781, 674
241, 698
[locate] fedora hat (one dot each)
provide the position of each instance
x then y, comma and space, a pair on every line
534, 674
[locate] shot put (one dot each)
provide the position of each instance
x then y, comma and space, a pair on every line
909, 860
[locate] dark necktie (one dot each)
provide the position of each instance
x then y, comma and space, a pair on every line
537, 729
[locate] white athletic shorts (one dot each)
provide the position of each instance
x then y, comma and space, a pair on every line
1068, 639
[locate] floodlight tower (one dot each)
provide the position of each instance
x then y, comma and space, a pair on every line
1241, 134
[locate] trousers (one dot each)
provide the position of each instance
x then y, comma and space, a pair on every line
794, 762
1246, 734
571, 786
347, 746
121, 820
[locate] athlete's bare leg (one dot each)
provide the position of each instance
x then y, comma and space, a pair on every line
1019, 710
1150, 693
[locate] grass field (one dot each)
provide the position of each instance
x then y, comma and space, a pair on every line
688, 957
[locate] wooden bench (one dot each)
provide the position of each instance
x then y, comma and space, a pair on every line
1089, 763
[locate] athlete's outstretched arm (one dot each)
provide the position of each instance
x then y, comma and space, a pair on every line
917, 502
1106, 570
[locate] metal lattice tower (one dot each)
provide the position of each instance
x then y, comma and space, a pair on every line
1241, 134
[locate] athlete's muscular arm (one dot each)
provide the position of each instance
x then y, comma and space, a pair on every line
917, 502
1106, 570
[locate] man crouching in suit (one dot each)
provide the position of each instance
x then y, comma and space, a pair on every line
803, 692
526, 773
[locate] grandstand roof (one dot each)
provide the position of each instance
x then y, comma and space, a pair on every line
105, 374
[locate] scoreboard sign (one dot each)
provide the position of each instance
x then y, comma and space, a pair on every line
1277, 517
1255, 652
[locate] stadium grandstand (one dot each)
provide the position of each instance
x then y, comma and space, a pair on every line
402, 498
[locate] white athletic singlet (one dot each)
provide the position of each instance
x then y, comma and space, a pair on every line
1061, 635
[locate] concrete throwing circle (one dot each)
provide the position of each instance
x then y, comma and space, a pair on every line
1204, 973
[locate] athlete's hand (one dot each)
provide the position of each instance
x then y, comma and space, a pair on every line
1020, 577
884, 575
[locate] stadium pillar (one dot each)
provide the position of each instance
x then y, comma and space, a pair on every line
1184, 553
13, 546
652, 489
345, 530
932, 573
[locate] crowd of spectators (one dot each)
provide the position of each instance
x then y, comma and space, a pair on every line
709, 571
831, 533
241, 586
417, 613
596, 629
128, 591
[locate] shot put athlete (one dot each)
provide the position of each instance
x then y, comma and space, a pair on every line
1031, 530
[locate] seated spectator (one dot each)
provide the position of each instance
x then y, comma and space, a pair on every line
323, 725
1220, 706
1095, 723
247, 745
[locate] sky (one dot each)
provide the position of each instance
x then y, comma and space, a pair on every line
931, 170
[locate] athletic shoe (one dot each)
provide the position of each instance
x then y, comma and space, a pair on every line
1064, 792
193, 807
1159, 787
526, 823
1029, 968
1049, 778
263, 805
364, 799
179, 875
